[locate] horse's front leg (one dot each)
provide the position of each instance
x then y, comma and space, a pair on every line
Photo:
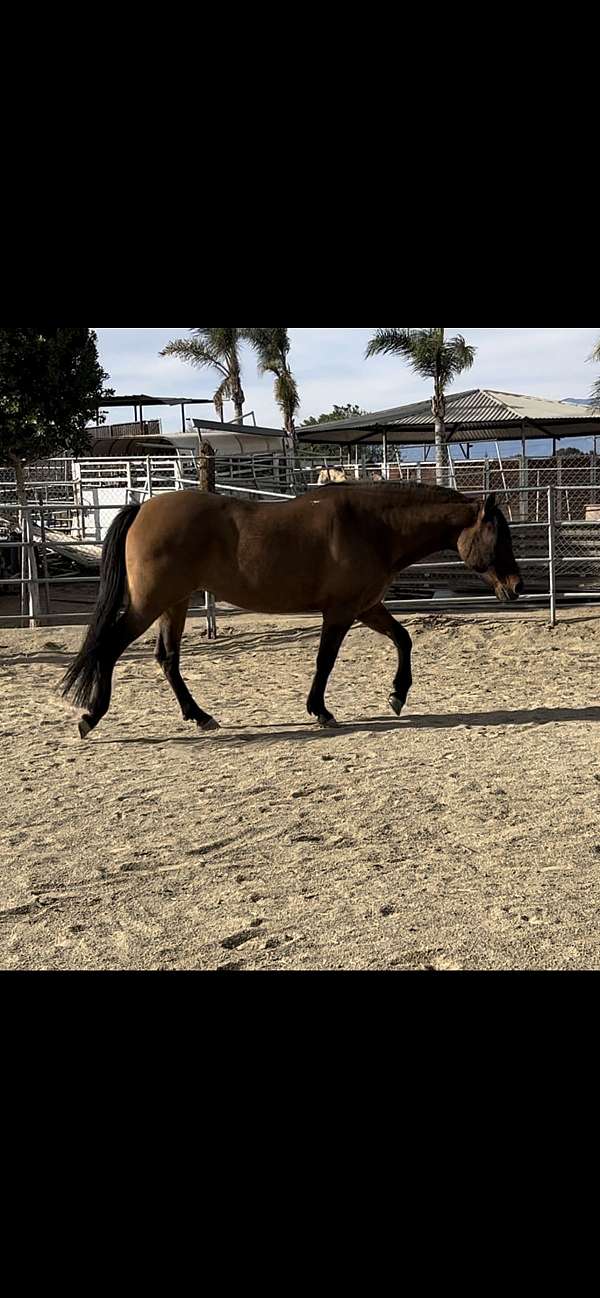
379, 619
332, 635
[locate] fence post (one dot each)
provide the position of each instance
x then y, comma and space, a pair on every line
552, 555
149, 472
523, 495
206, 478
23, 601
593, 475
44, 552
33, 590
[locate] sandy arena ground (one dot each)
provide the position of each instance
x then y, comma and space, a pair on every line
464, 836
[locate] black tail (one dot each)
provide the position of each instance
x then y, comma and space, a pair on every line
82, 676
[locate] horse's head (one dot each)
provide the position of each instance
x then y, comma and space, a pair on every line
486, 547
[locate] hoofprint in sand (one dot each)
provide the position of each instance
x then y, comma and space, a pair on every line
465, 835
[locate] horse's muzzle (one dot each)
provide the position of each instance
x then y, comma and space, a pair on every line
508, 592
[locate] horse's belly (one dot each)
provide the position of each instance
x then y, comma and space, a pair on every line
268, 599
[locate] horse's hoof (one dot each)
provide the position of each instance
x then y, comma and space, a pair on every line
84, 727
209, 724
329, 723
395, 704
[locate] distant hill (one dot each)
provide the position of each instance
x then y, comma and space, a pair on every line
575, 401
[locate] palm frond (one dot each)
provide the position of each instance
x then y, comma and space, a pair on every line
390, 342
223, 394
456, 356
595, 395
195, 352
286, 396
271, 346
426, 351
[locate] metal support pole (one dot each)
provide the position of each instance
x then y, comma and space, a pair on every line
523, 495
211, 621
44, 552
552, 556
23, 565
182, 417
149, 473
385, 473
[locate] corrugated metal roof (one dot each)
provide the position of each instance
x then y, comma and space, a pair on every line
476, 415
248, 430
142, 399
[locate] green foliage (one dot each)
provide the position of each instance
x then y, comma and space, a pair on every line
51, 385
429, 354
216, 349
326, 449
338, 412
272, 347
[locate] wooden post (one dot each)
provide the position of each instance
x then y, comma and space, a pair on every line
206, 467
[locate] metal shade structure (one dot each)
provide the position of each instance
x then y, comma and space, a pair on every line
241, 439
479, 415
140, 399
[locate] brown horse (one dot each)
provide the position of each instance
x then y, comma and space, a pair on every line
332, 551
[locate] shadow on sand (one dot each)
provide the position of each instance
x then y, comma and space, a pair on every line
371, 725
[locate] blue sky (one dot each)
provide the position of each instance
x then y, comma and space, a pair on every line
330, 369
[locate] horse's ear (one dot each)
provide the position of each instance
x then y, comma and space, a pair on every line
488, 507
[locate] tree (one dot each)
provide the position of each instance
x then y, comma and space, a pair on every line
272, 347
338, 412
595, 396
433, 357
348, 411
217, 349
51, 385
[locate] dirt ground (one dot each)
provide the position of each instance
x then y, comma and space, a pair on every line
466, 835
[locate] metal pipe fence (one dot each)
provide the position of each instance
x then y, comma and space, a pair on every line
555, 531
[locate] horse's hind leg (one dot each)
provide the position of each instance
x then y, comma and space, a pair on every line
379, 619
168, 643
126, 630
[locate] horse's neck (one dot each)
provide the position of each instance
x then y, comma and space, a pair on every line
421, 529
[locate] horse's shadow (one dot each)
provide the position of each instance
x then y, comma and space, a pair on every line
272, 733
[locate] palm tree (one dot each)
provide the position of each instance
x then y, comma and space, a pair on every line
595, 397
216, 349
434, 358
272, 347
